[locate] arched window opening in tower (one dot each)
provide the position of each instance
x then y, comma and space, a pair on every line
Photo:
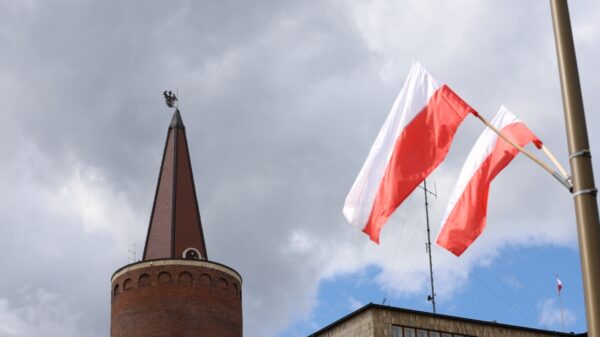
191, 254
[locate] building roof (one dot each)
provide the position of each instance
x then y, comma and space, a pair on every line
175, 224
429, 314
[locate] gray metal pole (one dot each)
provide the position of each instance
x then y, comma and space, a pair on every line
432, 296
584, 190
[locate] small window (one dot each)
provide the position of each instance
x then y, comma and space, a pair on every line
421, 333
446, 335
434, 334
191, 254
409, 332
396, 331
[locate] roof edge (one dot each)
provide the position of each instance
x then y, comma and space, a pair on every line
170, 261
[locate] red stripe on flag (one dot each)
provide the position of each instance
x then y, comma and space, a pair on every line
467, 219
419, 149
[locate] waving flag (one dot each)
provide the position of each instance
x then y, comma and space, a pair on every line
413, 141
466, 212
559, 284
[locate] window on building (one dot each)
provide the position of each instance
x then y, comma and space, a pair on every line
404, 331
396, 331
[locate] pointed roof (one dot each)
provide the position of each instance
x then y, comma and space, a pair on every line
175, 229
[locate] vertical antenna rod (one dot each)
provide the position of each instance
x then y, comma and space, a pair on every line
584, 189
132, 254
432, 296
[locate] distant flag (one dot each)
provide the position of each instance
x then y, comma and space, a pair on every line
559, 284
413, 141
466, 211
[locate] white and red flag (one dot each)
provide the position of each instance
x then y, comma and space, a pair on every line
413, 141
466, 212
559, 284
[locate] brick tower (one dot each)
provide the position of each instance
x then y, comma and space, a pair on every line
175, 291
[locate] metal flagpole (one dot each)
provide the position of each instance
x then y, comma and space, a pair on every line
562, 316
584, 189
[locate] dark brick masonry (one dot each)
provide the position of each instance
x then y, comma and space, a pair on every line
176, 298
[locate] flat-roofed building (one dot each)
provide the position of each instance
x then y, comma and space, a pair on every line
375, 320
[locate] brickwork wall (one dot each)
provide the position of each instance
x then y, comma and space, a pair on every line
171, 299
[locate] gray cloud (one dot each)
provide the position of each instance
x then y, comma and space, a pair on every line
281, 100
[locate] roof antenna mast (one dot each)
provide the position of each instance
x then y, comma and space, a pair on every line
430, 297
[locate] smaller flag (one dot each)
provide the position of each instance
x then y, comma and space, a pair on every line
467, 209
559, 284
413, 141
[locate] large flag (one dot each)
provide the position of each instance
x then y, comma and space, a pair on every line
413, 141
466, 212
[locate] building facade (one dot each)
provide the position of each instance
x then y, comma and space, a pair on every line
375, 320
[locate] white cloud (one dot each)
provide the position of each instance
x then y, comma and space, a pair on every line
11, 324
97, 206
512, 281
550, 315
354, 304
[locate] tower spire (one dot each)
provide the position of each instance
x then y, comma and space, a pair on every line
175, 290
175, 229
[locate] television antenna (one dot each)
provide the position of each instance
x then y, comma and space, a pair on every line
132, 257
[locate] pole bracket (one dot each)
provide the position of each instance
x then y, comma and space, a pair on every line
566, 182
582, 153
593, 191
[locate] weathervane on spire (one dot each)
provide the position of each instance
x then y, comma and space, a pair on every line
171, 99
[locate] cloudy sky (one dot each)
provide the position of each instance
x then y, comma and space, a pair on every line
282, 101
